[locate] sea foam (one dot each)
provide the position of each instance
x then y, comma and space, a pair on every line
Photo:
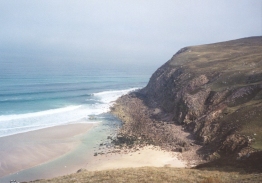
110, 96
19, 123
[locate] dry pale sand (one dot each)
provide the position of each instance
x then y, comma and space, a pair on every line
25, 150
146, 156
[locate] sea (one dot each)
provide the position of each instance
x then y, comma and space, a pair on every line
33, 98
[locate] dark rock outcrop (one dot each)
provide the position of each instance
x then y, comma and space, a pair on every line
214, 91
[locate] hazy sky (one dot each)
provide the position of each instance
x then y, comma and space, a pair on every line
116, 31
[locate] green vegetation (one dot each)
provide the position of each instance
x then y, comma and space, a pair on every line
252, 127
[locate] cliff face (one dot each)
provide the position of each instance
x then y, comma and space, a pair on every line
215, 91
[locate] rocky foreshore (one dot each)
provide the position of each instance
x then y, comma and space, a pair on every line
206, 99
140, 128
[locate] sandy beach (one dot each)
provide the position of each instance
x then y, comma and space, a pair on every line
142, 157
26, 150
63, 150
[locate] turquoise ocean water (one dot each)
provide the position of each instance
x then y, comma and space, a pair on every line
32, 99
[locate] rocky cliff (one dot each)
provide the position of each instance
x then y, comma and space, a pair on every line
214, 91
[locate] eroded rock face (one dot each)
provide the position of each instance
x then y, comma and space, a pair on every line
204, 87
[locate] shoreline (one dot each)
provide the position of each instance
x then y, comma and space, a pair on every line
78, 148
30, 149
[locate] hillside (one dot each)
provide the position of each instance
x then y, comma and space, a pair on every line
213, 91
151, 174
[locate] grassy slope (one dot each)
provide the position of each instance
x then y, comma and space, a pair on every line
150, 174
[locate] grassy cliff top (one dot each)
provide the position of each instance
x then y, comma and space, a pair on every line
237, 62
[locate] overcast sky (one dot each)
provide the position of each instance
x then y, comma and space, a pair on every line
116, 31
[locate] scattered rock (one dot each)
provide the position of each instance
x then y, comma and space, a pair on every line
167, 165
180, 149
80, 170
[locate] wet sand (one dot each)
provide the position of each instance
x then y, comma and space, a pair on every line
26, 150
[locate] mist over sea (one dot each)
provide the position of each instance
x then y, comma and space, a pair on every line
38, 97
